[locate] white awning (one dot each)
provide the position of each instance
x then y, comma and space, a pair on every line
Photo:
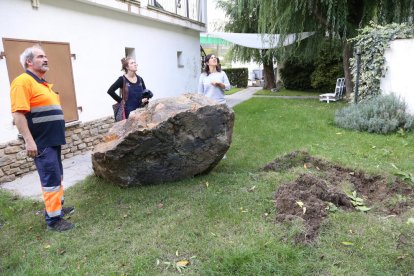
259, 41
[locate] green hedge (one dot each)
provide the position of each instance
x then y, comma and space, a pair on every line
238, 77
296, 75
328, 67
318, 72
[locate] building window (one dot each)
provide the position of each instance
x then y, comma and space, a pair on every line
180, 63
130, 52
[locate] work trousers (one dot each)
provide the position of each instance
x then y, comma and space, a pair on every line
49, 166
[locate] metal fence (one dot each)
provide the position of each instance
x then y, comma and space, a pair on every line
191, 9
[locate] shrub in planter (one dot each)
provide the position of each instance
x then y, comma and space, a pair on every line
383, 114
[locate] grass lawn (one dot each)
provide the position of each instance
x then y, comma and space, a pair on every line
286, 92
233, 90
223, 222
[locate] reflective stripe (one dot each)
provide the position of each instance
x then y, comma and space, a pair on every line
51, 189
54, 214
47, 119
45, 108
53, 204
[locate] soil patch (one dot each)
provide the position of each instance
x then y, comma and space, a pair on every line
325, 184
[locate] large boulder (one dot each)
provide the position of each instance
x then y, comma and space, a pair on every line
170, 139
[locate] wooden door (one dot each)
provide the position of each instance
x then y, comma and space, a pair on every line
60, 72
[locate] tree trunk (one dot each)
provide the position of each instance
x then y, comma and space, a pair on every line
346, 55
269, 76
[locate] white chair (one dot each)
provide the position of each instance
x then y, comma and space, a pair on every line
338, 95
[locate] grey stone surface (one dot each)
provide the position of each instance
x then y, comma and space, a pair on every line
170, 139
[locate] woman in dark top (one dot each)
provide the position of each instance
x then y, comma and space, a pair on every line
134, 87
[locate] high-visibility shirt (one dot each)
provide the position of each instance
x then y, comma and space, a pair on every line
41, 105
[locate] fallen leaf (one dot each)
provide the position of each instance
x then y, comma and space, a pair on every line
160, 205
207, 184
61, 251
362, 208
300, 203
183, 263
252, 189
402, 257
176, 253
304, 210
339, 133
126, 215
347, 243
47, 246
395, 167
305, 166
318, 168
158, 262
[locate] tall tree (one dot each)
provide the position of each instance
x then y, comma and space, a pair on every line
337, 19
243, 19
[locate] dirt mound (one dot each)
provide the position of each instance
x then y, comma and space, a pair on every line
327, 186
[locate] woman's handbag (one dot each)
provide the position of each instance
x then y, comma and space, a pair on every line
119, 111
119, 108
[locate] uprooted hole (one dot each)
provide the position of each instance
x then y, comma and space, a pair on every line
309, 196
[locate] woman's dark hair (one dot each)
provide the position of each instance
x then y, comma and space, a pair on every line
125, 62
207, 68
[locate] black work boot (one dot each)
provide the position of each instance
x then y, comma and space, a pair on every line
61, 225
68, 210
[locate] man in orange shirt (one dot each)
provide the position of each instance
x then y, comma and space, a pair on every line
39, 118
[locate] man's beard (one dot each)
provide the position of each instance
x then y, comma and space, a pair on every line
44, 68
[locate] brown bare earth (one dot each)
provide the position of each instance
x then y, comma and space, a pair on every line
311, 196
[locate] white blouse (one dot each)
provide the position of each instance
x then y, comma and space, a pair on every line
207, 89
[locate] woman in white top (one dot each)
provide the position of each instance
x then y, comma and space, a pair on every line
213, 81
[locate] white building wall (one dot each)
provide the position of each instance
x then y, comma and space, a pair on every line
399, 60
98, 36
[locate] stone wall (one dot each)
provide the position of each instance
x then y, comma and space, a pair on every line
80, 138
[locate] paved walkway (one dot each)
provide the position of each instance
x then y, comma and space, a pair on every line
75, 169
241, 96
286, 97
